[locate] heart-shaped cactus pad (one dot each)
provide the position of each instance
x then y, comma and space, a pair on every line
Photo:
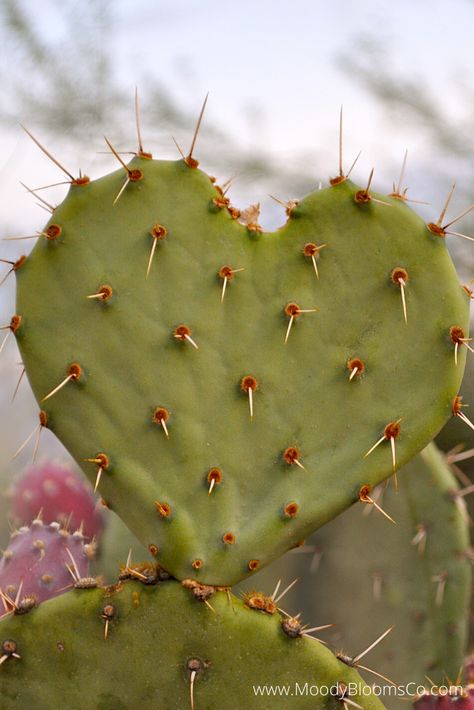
222, 385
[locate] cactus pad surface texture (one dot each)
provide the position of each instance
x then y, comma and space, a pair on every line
169, 323
101, 645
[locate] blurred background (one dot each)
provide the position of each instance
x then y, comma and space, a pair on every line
277, 74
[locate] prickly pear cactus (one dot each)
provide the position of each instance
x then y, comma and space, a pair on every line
415, 574
454, 698
62, 496
211, 655
40, 562
221, 386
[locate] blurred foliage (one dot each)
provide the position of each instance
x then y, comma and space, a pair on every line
409, 100
74, 89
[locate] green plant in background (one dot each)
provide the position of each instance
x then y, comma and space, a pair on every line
416, 574
228, 391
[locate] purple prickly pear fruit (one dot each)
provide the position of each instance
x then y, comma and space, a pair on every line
60, 494
40, 562
455, 698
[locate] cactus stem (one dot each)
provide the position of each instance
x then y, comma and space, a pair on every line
182, 332
364, 497
74, 373
440, 580
48, 154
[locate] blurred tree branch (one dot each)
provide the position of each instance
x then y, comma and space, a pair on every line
66, 83
409, 99
369, 63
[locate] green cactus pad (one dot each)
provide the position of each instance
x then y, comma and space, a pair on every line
415, 574
155, 637
166, 416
